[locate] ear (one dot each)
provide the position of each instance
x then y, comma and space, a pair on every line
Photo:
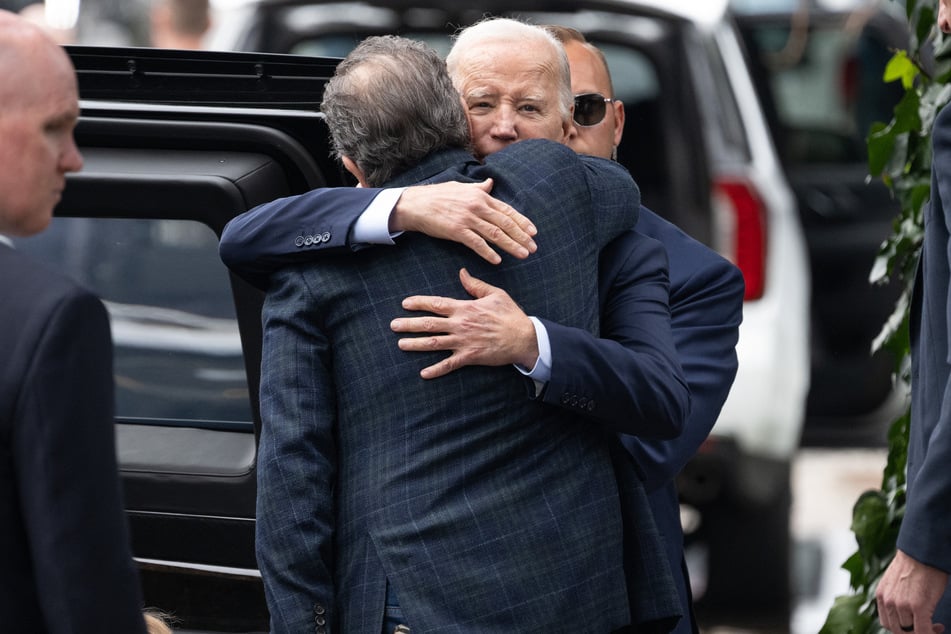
618, 121
351, 167
568, 129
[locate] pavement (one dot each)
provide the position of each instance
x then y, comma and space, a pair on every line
826, 484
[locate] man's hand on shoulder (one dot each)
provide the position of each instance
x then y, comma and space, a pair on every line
489, 330
465, 213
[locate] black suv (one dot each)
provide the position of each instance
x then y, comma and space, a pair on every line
818, 73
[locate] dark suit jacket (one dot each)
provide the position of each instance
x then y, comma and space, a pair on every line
67, 566
926, 528
706, 304
620, 379
486, 511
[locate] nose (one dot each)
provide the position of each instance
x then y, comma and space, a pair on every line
944, 16
504, 124
70, 160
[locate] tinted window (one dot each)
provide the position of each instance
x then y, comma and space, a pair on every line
724, 125
824, 82
177, 348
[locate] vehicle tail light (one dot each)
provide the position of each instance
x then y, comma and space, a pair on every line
741, 231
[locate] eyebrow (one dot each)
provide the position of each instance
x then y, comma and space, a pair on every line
480, 93
536, 98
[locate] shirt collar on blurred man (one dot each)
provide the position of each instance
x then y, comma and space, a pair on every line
5, 240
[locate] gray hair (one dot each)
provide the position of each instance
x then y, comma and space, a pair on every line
390, 104
474, 37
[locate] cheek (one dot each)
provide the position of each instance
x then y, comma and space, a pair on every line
479, 125
548, 128
482, 146
479, 131
598, 141
558, 130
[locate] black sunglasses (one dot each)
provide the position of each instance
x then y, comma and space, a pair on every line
590, 108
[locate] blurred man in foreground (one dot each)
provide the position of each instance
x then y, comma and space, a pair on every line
67, 566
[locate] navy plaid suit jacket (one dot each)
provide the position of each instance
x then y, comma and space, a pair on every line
487, 512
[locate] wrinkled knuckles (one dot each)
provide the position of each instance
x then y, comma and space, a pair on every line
495, 233
432, 343
439, 304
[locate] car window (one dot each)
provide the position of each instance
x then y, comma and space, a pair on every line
177, 351
825, 84
632, 72
724, 127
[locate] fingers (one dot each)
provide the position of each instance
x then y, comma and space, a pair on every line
907, 594
506, 228
499, 231
499, 223
507, 210
437, 370
475, 242
890, 615
473, 285
427, 344
443, 306
424, 325
430, 344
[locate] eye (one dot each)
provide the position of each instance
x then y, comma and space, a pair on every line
59, 126
530, 108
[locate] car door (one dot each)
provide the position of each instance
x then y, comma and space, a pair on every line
175, 145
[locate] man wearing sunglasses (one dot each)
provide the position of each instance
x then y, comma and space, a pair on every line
574, 368
706, 303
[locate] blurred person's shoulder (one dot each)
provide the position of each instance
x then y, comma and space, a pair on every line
28, 285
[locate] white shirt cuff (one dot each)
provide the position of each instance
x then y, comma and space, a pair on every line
373, 225
541, 373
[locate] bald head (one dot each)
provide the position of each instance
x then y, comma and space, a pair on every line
38, 111
29, 60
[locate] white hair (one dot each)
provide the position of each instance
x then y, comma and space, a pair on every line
507, 30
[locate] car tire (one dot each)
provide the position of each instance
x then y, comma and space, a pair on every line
748, 547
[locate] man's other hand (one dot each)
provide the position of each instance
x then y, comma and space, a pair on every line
465, 213
488, 330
